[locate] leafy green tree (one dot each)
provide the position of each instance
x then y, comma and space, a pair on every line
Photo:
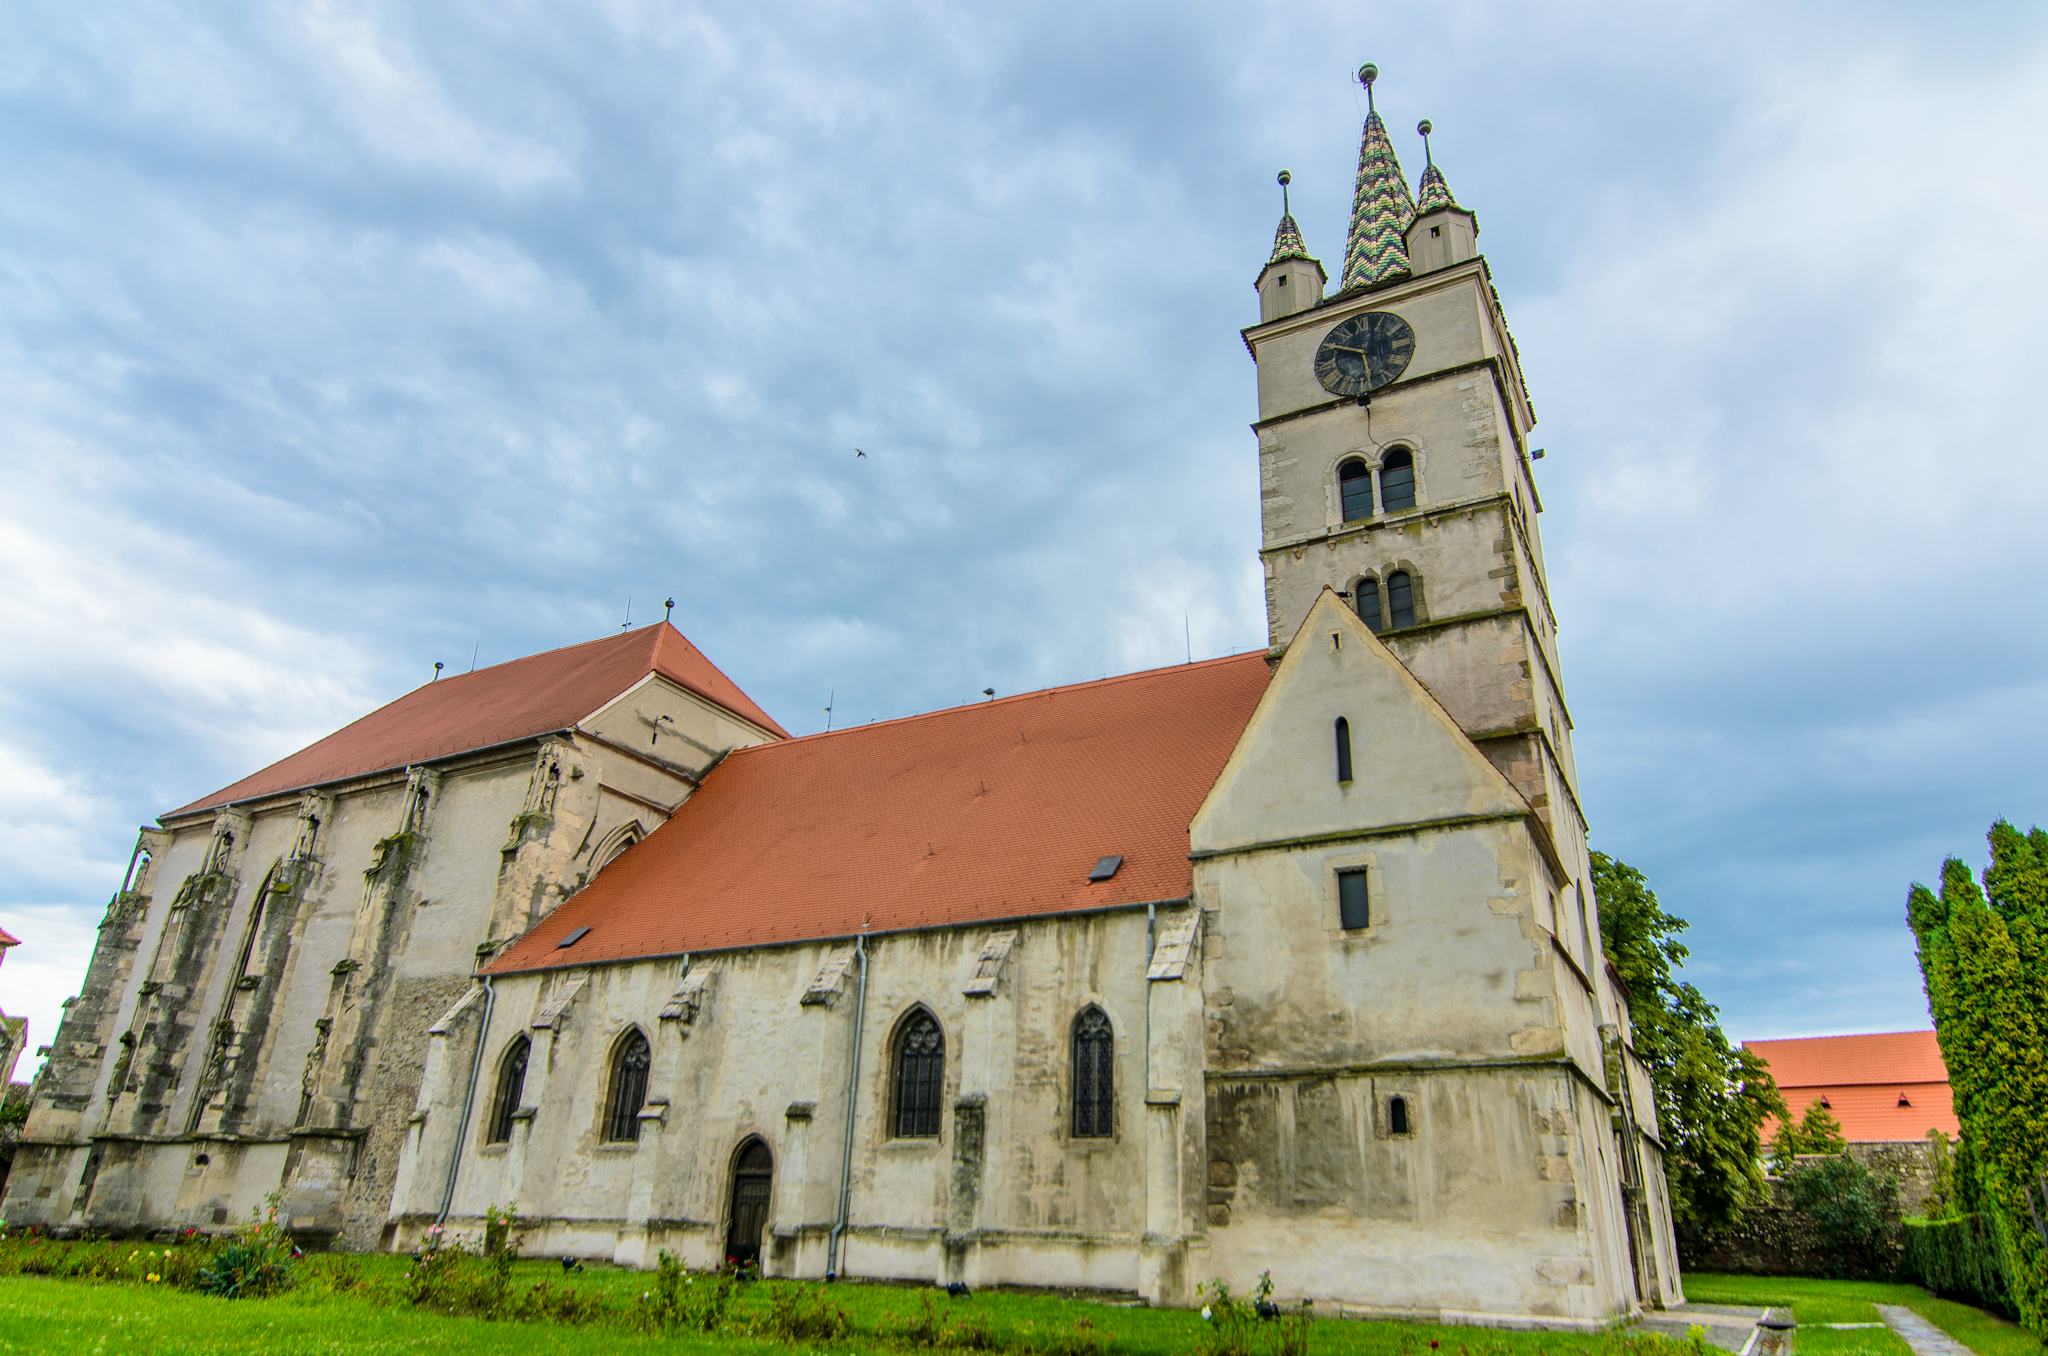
1815, 1132
1984, 960
1819, 1131
1854, 1211
1712, 1097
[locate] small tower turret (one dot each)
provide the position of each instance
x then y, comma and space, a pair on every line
1442, 233
1381, 208
1292, 279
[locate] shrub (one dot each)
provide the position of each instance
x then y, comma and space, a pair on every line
678, 1299
930, 1328
1082, 1339
1238, 1327
448, 1279
1230, 1321
804, 1313
1959, 1259
1854, 1211
259, 1261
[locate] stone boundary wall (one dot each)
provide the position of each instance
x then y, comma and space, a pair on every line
1775, 1239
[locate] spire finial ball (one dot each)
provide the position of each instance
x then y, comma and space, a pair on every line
1286, 178
1367, 74
1423, 128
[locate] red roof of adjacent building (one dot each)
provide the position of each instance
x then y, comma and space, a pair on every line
519, 699
1881, 1087
972, 815
7, 938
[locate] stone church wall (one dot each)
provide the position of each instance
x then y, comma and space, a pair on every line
211, 1007
1004, 1192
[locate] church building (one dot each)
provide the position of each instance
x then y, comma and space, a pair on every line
1286, 961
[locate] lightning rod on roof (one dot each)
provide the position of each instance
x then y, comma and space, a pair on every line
472, 655
829, 698
627, 624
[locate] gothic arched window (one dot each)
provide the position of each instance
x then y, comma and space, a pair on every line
920, 1076
1343, 749
1354, 490
1365, 596
628, 1090
1397, 480
511, 1087
1094, 1075
1400, 599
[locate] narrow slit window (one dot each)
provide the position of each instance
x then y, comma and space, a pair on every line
1354, 490
1400, 599
628, 1091
511, 1088
1343, 749
1397, 480
1354, 904
1366, 598
920, 1076
1094, 1075
1397, 1115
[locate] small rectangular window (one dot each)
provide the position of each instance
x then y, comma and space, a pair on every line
1353, 908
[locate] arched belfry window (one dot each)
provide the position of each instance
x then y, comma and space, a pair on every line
1400, 599
628, 1089
1094, 1075
1343, 731
511, 1088
1365, 596
920, 1076
1354, 490
1397, 480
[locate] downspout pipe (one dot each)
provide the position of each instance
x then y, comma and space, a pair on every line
476, 1068
860, 1008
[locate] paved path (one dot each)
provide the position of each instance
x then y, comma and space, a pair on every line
1922, 1336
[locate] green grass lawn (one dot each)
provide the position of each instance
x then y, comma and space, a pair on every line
1814, 1302
358, 1304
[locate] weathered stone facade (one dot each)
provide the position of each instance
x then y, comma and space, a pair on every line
1368, 1043
255, 1016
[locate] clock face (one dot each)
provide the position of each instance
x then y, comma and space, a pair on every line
1364, 353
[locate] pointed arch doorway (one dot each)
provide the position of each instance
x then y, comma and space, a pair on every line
753, 1173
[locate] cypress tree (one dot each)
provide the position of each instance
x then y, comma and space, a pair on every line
1984, 961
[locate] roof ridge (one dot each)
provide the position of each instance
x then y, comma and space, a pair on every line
692, 650
1844, 1036
1103, 681
559, 649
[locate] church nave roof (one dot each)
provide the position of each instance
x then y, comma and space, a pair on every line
976, 814
518, 699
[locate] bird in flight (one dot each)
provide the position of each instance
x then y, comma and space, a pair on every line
858, 453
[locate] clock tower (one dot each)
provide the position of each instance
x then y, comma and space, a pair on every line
1395, 468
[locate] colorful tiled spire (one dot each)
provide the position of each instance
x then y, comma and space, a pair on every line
1432, 194
1381, 208
1287, 242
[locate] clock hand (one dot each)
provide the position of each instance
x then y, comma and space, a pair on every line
1346, 348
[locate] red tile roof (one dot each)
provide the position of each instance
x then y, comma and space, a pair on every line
515, 700
976, 814
1863, 1078
7, 939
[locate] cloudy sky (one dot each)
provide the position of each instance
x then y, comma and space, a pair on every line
339, 339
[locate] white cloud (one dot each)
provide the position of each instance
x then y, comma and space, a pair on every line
338, 339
